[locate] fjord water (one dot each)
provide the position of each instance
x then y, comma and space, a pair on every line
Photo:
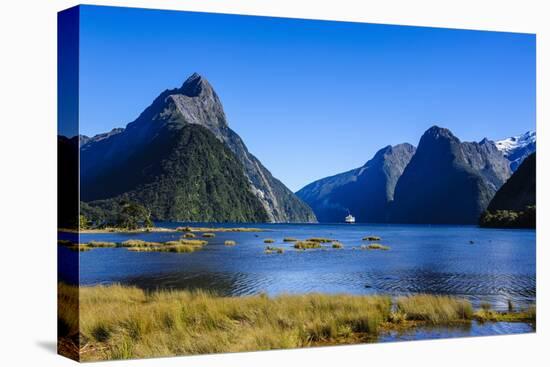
482, 265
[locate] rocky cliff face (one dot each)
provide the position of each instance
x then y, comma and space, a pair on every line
448, 181
194, 103
365, 192
520, 190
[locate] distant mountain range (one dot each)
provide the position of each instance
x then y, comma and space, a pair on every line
364, 191
444, 180
517, 148
181, 160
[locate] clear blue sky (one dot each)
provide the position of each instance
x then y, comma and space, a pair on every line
309, 98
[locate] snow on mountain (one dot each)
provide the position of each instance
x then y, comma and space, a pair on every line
517, 148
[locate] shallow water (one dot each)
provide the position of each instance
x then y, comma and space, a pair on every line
460, 331
499, 265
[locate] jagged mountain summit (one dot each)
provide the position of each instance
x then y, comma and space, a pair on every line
150, 151
448, 181
365, 191
517, 148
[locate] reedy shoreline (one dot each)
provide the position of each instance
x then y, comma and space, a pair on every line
118, 322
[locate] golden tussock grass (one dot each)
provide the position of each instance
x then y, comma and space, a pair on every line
304, 245
375, 246
218, 229
180, 246
320, 240
434, 309
118, 322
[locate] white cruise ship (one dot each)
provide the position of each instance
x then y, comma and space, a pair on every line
350, 219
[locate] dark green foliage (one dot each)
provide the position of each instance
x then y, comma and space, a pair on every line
181, 160
133, 216
510, 218
111, 213
520, 190
84, 223
513, 206
186, 174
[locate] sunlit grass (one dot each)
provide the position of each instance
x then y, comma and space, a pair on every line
230, 243
377, 246
434, 309
320, 240
304, 245
126, 322
101, 244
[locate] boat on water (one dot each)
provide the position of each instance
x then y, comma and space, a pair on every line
350, 219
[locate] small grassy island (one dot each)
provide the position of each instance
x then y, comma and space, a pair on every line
118, 322
182, 245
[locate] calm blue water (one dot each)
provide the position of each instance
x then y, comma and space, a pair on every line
499, 265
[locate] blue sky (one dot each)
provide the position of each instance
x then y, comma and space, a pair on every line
309, 98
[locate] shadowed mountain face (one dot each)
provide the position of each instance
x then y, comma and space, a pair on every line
519, 191
448, 181
365, 192
195, 108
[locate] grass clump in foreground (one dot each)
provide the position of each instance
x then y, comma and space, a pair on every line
372, 238
434, 309
189, 235
269, 240
209, 235
271, 250
337, 245
230, 243
290, 239
304, 245
119, 322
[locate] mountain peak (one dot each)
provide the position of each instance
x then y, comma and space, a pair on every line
436, 132
195, 85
